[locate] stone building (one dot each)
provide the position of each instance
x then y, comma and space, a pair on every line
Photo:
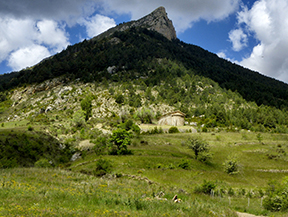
173, 119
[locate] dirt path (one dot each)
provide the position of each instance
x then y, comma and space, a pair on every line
241, 214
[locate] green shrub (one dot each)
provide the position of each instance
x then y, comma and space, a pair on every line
259, 137
184, 164
231, 192
200, 148
277, 196
130, 125
173, 130
171, 166
100, 145
273, 203
119, 141
25, 148
79, 119
119, 98
204, 129
42, 163
204, 156
231, 165
103, 167
30, 128
206, 187
86, 105
145, 115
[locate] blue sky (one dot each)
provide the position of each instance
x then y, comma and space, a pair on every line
250, 33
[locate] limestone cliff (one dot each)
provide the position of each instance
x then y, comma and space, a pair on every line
157, 21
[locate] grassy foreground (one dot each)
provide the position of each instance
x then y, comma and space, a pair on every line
53, 192
143, 184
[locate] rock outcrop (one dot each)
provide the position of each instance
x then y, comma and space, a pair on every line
157, 21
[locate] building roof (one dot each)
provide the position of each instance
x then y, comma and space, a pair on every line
172, 113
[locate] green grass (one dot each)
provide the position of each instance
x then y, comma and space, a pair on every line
62, 193
55, 192
153, 159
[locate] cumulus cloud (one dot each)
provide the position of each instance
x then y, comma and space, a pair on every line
19, 60
97, 24
267, 21
19, 37
238, 39
14, 34
50, 33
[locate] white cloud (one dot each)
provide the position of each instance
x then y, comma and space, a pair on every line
267, 21
238, 39
19, 37
28, 56
222, 54
97, 24
51, 34
14, 34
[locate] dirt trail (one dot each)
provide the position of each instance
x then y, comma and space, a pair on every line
241, 214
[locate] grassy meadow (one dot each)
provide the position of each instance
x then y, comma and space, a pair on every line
144, 183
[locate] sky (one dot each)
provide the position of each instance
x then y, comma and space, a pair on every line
251, 33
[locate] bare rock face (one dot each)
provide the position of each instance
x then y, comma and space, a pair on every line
157, 21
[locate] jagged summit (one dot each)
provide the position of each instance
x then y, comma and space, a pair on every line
157, 21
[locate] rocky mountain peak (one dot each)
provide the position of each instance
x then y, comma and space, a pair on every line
157, 21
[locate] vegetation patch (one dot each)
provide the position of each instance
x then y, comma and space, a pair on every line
25, 148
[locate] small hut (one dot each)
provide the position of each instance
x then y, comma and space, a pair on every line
172, 119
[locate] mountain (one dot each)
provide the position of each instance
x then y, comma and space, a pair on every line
130, 47
156, 21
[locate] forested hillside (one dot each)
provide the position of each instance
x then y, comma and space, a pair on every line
130, 54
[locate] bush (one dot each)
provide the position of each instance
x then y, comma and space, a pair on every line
231, 165
145, 115
42, 163
199, 147
119, 99
79, 119
30, 128
204, 129
119, 141
206, 187
130, 125
204, 156
185, 164
102, 167
173, 130
23, 149
277, 196
86, 105
100, 145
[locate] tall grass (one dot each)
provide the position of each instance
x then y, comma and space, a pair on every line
24, 192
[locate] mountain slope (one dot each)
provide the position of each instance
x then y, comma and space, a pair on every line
130, 47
